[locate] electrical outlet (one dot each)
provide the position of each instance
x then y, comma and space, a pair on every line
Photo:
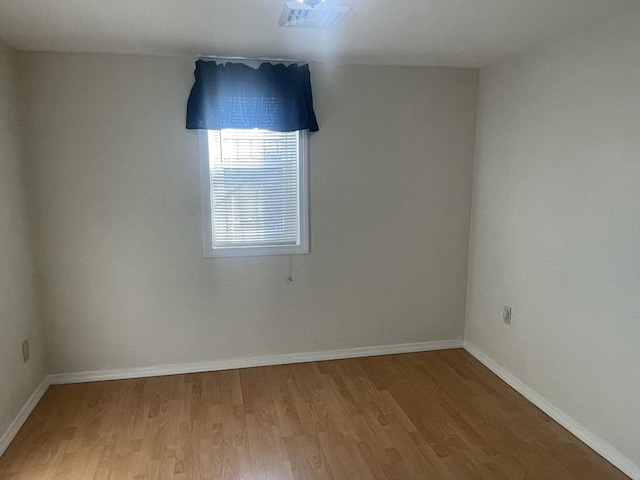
25, 351
506, 314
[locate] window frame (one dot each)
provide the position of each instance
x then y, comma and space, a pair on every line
254, 251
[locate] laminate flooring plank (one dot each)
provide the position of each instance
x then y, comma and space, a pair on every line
433, 415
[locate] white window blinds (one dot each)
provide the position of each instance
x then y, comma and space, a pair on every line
255, 188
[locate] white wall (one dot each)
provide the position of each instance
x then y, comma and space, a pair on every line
114, 179
556, 225
18, 307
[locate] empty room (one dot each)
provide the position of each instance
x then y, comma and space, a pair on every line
319, 239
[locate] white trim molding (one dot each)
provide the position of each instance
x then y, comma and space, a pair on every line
22, 416
603, 448
209, 366
213, 365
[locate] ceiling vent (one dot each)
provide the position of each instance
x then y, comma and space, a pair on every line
296, 14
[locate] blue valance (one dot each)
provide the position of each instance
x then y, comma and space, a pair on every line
234, 95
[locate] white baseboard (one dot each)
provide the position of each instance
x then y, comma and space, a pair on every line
209, 366
603, 448
22, 416
614, 456
98, 375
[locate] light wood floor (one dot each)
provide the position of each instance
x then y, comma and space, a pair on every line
436, 415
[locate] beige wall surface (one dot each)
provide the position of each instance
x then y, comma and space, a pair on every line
18, 306
556, 225
114, 180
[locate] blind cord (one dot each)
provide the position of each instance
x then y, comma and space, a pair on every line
290, 278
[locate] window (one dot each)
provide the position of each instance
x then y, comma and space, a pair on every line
254, 192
